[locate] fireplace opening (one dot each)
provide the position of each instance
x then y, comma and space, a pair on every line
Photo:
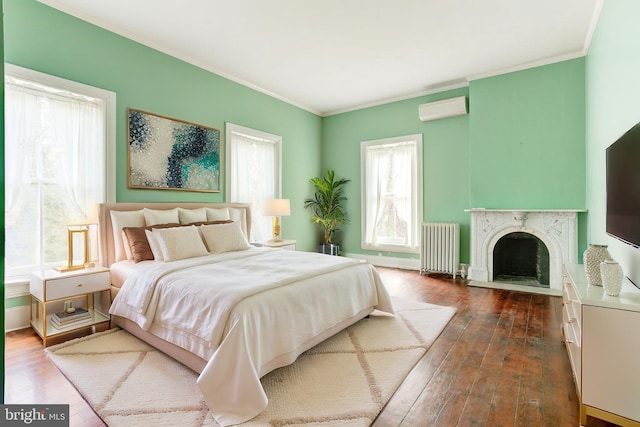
521, 258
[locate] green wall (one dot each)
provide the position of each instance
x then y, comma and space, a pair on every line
613, 90
521, 146
527, 139
49, 41
445, 145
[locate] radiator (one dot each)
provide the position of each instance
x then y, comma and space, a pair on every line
440, 248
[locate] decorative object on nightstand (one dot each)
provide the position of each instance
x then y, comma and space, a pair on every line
592, 258
276, 208
70, 316
64, 302
78, 248
612, 277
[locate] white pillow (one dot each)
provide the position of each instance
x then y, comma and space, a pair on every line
179, 243
154, 245
217, 214
239, 215
157, 216
188, 216
224, 237
120, 219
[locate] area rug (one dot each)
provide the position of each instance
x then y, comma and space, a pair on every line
345, 380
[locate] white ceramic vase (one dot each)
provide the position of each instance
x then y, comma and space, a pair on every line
592, 258
612, 275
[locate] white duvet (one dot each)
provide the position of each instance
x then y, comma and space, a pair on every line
247, 313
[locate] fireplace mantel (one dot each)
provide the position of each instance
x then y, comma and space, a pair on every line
557, 228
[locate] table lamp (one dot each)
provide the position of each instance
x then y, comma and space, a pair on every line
276, 208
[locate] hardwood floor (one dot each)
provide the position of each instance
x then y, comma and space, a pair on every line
499, 362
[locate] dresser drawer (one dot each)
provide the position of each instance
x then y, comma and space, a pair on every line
71, 286
571, 304
574, 352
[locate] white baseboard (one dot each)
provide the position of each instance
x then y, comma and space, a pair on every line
16, 318
387, 261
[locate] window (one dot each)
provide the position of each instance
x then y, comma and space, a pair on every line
59, 150
253, 173
392, 193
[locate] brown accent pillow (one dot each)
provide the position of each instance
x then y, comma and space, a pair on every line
139, 245
217, 221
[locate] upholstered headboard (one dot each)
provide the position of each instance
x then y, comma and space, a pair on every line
238, 211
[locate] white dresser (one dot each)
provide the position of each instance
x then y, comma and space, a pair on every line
602, 336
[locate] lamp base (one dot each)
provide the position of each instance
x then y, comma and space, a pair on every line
276, 229
65, 268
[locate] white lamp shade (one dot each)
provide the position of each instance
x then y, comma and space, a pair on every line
276, 207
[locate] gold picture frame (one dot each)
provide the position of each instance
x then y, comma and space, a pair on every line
172, 154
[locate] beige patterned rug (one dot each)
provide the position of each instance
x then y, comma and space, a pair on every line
345, 380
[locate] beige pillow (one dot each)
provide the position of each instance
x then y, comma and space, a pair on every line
179, 243
119, 220
154, 245
188, 216
159, 216
217, 214
224, 237
239, 215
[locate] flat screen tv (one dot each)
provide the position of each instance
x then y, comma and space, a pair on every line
623, 187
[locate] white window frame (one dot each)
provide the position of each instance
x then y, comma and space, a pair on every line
417, 206
109, 100
256, 211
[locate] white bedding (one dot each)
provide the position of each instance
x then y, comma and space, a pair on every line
247, 313
119, 271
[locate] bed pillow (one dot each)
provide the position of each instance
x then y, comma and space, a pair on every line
157, 216
216, 214
180, 242
222, 221
188, 216
154, 245
224, 237
125, 243
119, 220
138, 242
239, 215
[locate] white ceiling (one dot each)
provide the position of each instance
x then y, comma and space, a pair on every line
331, 56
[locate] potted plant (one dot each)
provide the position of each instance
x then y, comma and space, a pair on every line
327, 208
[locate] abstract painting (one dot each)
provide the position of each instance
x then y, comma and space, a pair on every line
171, 154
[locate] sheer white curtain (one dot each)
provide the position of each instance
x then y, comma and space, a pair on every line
392, 193
376, 161
404, 189
55, 169
78, 129
21, 124
253, 173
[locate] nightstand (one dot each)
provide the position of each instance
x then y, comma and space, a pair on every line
282, 244
50, 289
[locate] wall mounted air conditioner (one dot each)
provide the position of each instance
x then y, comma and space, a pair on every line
440, 109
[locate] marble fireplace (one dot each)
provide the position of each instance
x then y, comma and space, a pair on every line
557, 230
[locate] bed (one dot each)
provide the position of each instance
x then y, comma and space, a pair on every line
234, 312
